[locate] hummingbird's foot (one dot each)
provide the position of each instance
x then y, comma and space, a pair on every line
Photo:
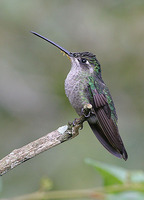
76, 122
84, 114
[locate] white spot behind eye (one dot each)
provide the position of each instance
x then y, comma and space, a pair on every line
90, 67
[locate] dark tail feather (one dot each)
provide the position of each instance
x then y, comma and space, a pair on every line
104, 141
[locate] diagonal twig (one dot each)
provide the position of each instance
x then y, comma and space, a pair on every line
62, 134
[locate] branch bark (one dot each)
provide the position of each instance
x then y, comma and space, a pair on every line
62, 134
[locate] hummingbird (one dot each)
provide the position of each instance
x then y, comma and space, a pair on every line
84, 85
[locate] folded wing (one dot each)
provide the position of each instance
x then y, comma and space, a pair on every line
106, 130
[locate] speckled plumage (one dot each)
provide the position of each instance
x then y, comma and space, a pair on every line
80, 78
84, 85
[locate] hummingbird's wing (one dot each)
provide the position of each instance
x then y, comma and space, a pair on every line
106, 130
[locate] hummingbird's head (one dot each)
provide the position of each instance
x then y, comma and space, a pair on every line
85, 60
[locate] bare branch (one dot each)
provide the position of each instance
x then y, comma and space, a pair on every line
69, 194
62, 134
99, 193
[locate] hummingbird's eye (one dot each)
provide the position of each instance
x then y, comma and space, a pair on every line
83, 60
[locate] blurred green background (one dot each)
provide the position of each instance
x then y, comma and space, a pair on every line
32, 74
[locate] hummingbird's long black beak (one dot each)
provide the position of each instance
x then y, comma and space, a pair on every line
53, 43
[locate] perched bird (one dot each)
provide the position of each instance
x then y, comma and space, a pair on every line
84, 85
